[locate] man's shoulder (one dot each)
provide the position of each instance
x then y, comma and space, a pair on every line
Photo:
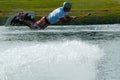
60, 9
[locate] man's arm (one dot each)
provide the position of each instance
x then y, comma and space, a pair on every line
28, 24
67, 19
14, 21
70, 18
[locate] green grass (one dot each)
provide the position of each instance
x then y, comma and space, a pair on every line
52, 4
43, 7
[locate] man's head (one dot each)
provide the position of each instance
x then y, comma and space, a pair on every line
21, 14
67, 6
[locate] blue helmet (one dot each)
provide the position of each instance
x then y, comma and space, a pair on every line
67, 5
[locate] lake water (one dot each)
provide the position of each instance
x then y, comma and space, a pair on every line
86, 52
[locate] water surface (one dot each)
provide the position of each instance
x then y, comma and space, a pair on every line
86, 52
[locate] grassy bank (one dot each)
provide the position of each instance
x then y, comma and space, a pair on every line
103, 11
52, 4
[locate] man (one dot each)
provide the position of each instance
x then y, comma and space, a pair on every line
59, 14
19, 19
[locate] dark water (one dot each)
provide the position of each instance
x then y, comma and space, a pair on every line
86, 52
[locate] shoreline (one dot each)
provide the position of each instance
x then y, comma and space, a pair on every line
97, 17
82, 21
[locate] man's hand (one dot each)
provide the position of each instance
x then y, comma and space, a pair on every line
89, 14
77, 17
73, 17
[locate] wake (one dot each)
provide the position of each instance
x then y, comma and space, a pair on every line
66, 60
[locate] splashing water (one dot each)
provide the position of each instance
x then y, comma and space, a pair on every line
68, 60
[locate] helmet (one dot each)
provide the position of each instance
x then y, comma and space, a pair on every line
67, 5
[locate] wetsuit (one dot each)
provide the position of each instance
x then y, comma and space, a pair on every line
18, 20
